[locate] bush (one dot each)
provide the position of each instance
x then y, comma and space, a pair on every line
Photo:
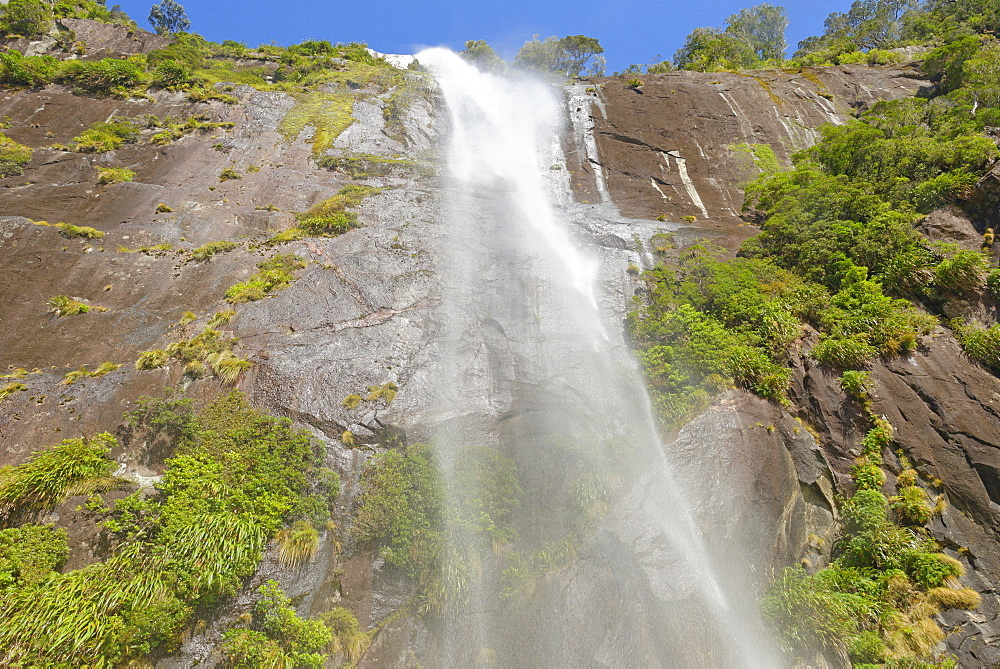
197, 540
27, 72
844, 352
13, 157
109, 75
962, 272
980, 343
857, 385
30, 553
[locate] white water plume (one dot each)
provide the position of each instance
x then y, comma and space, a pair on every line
530, 368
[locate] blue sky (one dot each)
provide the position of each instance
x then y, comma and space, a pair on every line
631, 31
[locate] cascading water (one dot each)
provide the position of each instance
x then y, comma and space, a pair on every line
603, 562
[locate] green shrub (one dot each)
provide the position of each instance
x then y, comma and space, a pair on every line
229, 173
109, 75
181, 550
980, 343
29, 554
113, 175
962, 272
857, 384
844, 352
26, 72
73, 467
13, 157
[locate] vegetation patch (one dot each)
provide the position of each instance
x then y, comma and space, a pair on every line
878, 599
13, 156
403, 511
207, 352
328, 114
278, 636
10, 388
273, 274
206, 251
63, 305
113, 175
106, 136
236, 477
73, 467
83, 372
362, 165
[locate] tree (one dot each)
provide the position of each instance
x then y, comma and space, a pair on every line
709, 50
567, 56
868, 24
29, 18
168, 17
482, 55
763, 28
750, 38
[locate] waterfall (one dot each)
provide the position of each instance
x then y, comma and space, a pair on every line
603, 562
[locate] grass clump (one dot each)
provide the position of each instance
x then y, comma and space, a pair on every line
348, 637
63, 305
84, 231
273, 274
206, 352
297, 544
329, 218
113, 175
153, 359
229, 173
83, 372
221, 318
105, 136
236, 477
980, 343
362, 165
13, 156
10, 388
73, 467
172, 129
206, 251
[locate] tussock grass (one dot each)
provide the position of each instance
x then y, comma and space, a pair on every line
73, 467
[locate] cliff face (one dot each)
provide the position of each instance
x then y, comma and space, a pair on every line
677, 147
362, 313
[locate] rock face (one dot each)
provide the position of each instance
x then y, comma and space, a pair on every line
365, 311
683, 144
